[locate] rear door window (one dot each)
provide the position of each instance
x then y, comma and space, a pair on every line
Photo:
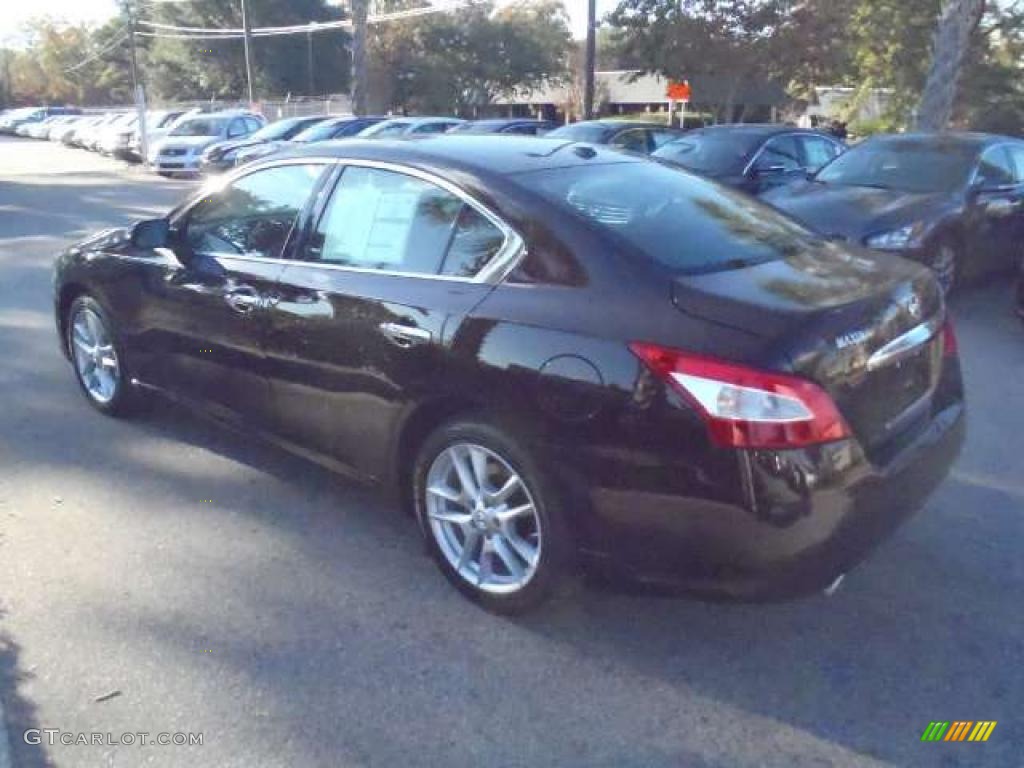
1017, 156
782, 152
818, 151
633, 140
393, 222
996, 168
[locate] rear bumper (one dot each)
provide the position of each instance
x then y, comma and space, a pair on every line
804, 517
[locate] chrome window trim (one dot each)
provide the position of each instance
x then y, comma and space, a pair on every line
507, 258
905, 344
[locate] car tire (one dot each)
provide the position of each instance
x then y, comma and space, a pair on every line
946, 261
504, 542
98, 360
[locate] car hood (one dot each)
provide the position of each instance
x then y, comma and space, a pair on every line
221, 148
852, 213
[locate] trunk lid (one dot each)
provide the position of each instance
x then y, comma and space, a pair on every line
863, 326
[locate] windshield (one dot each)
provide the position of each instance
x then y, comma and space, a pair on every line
715, 153
202, 126
681, 221
595, 133
905, 166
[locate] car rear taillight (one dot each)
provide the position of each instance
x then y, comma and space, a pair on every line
745, 407
950, 346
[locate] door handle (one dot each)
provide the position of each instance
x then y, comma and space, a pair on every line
243, 299
405, 336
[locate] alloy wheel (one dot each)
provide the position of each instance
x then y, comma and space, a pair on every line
95, 357
483, 518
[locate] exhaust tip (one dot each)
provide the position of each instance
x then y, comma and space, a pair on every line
832, 588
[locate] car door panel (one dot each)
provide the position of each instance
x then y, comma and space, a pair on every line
346, 351
208, 308
360, 326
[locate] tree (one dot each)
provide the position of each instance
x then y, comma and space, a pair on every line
736, 41
465, 59
958, 21
211, 68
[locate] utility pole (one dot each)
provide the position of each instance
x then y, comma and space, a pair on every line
309, 50
589, 63
248, 55
138, 92
360, 10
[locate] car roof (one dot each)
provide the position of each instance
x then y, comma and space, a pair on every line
757, 129
960, 139
481, 154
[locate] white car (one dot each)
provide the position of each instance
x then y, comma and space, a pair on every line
181, 151
158, 123
409, 126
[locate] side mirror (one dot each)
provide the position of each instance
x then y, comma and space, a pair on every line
153, 233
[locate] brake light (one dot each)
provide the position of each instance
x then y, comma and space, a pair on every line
745, 407
950, 345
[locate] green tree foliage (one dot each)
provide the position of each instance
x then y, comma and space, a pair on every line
465, 59
61, 64
204, 69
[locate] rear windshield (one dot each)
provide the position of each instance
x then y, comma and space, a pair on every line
907, 166
681, 221
717, 153
594, 133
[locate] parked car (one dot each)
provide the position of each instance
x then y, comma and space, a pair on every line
181, 152
22, 117
676, 381
642, 138
83, 128
517, 126
952, 201
129, 146
754, 158
221, 156
115, 138
341, 127
92, 137
409, 126
156, 135
63, 132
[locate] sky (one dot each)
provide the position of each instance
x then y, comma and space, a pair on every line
17, 13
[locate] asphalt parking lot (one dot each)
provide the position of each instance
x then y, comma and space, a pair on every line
161, 576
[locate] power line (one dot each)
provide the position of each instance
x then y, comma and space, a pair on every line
119, 37
230, 33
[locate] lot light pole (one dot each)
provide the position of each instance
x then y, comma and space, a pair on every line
138, 92
360, 10
309, 52
589, 65
247, 32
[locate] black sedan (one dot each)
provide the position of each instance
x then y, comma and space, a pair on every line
754, 158
952, 201
642, 138
677, 383
511, 125
224, 155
